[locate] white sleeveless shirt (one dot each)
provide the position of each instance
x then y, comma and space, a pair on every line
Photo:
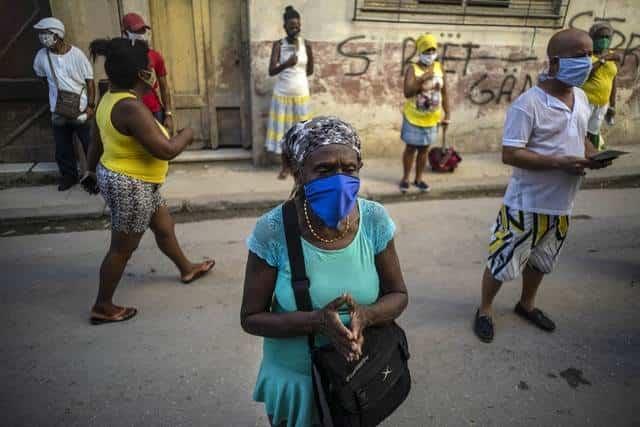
293, 81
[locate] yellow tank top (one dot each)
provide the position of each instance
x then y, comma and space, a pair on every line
599, 86
425, 109
122, 153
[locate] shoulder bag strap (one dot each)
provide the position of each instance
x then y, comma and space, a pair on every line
53, 71
299, 281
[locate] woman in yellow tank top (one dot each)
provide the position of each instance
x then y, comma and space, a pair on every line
426, 107
133, 150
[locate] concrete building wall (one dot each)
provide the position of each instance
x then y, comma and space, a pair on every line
85, 21
358, 74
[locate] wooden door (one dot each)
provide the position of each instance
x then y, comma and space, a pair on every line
204, 46
179, 29
230, 66
25, 130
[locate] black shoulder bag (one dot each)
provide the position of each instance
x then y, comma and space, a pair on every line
353, 394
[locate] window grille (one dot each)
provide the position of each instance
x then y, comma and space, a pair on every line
502, 13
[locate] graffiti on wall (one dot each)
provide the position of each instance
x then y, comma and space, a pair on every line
620, 41
481, 90
490, 85
362, 55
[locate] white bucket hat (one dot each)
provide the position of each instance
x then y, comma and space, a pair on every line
52, 24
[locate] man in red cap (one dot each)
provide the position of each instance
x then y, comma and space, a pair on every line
135, 29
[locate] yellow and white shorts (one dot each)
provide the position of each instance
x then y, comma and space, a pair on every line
525, 238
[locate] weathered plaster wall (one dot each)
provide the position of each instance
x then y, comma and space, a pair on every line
85, 21
359, 66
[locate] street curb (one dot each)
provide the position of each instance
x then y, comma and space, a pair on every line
194, 210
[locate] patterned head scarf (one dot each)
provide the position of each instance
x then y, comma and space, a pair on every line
306, 137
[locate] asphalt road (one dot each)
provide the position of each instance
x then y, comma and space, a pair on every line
184, 361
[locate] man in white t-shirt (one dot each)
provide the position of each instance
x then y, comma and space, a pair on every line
545, 140
72, 72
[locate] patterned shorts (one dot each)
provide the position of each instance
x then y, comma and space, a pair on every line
525, 238
132, 202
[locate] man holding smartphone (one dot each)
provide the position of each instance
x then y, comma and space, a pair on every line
545, 140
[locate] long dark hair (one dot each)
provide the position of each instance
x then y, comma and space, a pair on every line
123, 59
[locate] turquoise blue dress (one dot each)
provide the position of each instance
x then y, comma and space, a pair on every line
284, 381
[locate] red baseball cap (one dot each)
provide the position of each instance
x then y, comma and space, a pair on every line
134, 22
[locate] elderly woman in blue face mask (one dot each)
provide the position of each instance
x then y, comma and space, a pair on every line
350, 260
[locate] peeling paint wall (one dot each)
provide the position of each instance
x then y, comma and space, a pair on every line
85, 21
358, 74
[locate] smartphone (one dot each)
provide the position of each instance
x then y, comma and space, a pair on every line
608, 155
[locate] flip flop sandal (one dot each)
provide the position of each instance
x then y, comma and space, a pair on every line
208, 265
126, 314
537, 317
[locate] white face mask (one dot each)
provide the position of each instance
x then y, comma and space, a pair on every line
134, 36
428, 58
47, 39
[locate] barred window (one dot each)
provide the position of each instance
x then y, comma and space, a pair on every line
503, 13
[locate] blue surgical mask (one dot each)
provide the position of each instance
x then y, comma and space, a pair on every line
574, 71
332, 198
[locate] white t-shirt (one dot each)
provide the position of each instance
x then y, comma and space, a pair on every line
543, 124
293, 81
72, 69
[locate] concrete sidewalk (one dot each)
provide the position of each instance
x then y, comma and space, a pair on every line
237, 186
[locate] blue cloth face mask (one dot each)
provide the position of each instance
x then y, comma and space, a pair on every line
332, 198
574, 71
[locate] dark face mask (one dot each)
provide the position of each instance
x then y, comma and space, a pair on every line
601, 44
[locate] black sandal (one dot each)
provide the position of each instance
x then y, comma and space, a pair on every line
537, 317
483, 327
404, 186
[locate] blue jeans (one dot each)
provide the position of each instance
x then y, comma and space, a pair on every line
63, 131
159, 115
418, 136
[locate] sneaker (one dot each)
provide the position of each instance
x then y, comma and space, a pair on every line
404, 186
66, 182
422, 186
483, 327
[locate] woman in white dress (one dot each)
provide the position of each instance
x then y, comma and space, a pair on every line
292, 62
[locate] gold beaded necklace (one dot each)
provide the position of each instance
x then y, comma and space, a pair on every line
317, 235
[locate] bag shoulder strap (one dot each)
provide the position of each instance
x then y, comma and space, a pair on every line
55, 77
53, 71
299, 281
